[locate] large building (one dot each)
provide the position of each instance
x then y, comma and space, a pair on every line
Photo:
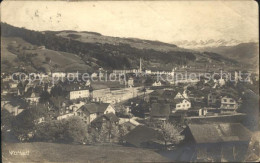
77, 91
79, 94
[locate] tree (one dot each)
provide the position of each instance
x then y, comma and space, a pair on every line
114, 133
56, 91
71, 130
102, 135
44, 97
76, 130
170, 134
122, 132
23, 124
6, 120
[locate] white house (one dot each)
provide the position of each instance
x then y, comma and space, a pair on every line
182, 104
13, 84
64, 116
183, 95
14, 110
79, 94
88, 83
94, 75
130, 82
228, 103
148, 71
32, 98
75, 106
58, 75
157, 83
91, 111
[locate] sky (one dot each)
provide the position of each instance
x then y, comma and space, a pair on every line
166, 21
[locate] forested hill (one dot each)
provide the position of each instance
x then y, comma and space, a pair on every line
111, 52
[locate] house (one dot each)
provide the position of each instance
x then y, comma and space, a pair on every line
148, 71
14, 110
78, 94
75, 106
91, 111
108, 119
76, 91
156, 96
228, 103
13, 85
58, 75
181, 104
65, 116
160, 111
94, 75
130, 82
218, 142
181, 95
129, 123
144, 137
213, 99
157, 84
32, 97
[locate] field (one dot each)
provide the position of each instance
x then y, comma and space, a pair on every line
51, 152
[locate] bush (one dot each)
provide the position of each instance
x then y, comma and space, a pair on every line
71, 130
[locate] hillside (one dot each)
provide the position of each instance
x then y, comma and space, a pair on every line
51, 152
91, 37
18, 54
89, 50
246, 53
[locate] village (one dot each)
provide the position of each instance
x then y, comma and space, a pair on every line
136, 110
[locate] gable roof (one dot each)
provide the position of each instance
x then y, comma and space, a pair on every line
160, 110
141, 134
109, 117
157, 92
74, 87
170, 93
94, 107
98, 86
222, 132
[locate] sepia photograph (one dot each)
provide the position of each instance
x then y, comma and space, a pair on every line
130, 81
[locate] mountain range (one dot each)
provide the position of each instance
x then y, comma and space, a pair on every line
209, 43
87, 51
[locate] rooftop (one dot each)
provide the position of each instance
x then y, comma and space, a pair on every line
160, 110
95, 107
222, 132
140, 135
